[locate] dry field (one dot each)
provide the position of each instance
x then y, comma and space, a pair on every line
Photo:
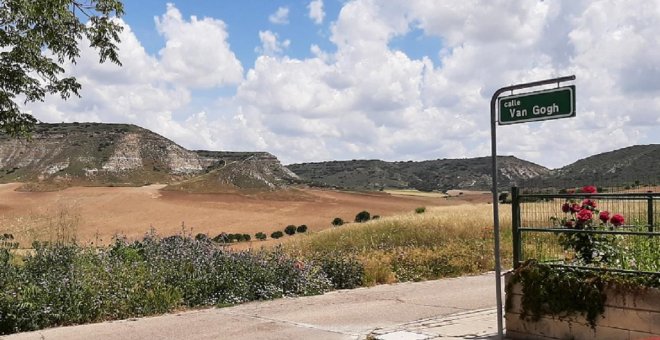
95, 214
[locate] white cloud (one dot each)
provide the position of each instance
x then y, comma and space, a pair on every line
363, 99
316, 12
280, 17
270, 44
197, 52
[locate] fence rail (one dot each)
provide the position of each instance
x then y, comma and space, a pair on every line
538, 232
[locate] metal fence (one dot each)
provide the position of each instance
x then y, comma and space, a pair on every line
543, 230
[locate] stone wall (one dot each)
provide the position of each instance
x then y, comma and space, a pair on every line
627, 316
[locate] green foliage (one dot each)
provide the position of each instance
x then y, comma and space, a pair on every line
260, 236
32, 27
362, 216
558, 291
420, 210
290, 230
301, 228
64, 285
276, 234
246, 237
337, 222
343, 270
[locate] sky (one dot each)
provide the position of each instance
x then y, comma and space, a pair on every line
398, 80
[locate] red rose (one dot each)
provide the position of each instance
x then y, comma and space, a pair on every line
575, 208
566, 207
584, 215
588, 203
617, 220
569, 224
604, 216
589, 189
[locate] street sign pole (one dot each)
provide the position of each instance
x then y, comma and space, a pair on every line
496, 217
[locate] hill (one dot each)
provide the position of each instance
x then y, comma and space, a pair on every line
440, 174
634, 165
61, 155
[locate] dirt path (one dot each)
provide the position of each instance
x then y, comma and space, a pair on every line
98, 213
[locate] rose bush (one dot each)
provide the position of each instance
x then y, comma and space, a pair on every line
588, 248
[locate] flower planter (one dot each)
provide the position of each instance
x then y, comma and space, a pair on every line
627, 315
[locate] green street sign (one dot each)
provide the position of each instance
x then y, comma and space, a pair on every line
535, 106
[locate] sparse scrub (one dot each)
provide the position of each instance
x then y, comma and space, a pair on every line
276, 234
260, 236
301, 228
337, 222
420, 210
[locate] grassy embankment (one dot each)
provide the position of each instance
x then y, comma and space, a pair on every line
441, 242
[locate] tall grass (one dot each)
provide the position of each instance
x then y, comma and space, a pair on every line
444, 241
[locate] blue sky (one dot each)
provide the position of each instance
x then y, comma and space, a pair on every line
314, 80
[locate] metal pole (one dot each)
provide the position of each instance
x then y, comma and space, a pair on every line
496, 213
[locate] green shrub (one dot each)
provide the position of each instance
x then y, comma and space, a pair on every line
276, 234
221, 238
201, 237
260, 236
337, 222
420, 210
362, 216
246, 237
65, 285
375, 217
343, 270
290, 230
301, 228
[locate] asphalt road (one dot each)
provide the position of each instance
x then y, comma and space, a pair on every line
388, 311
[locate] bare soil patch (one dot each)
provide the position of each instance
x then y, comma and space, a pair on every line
101, 212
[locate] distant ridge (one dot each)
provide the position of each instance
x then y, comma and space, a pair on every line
440, 174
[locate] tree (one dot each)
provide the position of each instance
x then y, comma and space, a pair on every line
36, 38
260, 236
290, 230
337, 222
362, 216
276, 234
301, 228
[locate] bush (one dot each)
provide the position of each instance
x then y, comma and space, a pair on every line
260, 236
276, 234
301, 228
201, 237
246, 237
65, 285
420, 210
375, 217
221, 238
337, 222
290, 230
343, 270
362, 216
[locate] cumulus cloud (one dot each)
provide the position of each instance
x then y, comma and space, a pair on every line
270, 44
316, 12
365, 99
197, 52
280, 17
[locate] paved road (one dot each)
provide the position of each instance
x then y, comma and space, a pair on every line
450, 308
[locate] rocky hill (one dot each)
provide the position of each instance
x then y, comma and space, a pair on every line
440, 174
60, 155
